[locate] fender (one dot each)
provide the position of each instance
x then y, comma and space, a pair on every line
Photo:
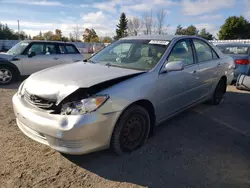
13, 66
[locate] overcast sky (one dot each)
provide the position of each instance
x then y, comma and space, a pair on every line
103, 15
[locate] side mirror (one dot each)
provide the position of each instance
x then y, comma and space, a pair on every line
174, 66
31, 54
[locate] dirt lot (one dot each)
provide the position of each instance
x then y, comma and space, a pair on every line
203, 147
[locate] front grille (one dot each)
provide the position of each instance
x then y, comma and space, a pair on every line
38, 101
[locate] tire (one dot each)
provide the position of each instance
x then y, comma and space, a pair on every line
7, 75
131, 131
219, 92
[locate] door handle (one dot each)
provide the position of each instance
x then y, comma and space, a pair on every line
218, 65
55, 58
194, 73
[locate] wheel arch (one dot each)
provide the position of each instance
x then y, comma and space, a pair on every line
149, 107
12, 66
224, 78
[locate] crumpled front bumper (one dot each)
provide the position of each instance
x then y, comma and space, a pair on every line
71, 134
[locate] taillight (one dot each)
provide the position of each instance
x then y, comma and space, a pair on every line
242, 61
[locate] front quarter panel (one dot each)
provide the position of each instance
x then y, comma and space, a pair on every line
127, 92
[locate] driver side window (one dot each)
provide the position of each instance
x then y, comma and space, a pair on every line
182, 51
37, 48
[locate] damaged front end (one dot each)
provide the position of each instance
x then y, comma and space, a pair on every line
74, 101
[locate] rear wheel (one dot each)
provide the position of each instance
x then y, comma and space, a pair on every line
131, 130
219, 92
7, 75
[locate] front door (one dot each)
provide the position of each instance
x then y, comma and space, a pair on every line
45, 55
177, 89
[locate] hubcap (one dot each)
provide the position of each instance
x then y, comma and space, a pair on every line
5, 76
133, 132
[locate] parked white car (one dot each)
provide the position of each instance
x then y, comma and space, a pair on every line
28, 57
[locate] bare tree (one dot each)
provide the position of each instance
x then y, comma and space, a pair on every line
160, 19
134, 26
76, 32
148, 22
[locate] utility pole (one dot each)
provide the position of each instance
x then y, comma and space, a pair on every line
18, 29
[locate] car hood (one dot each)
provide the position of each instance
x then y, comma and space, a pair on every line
6, 56
58, 82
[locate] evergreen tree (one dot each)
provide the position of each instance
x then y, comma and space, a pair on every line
122, 27
6, 33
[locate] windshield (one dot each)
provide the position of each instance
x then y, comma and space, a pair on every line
18, 48
132, 54
237, 50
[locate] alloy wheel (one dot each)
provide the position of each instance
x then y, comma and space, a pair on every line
5, 76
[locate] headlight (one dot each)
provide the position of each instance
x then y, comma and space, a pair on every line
83, 106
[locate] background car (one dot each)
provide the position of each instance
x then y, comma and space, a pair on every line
241, 54
119, 96
28, 57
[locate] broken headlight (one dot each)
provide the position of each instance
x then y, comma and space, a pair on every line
83, 106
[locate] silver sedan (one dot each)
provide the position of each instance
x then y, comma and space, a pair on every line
117, 97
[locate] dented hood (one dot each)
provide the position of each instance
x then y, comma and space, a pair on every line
58, 82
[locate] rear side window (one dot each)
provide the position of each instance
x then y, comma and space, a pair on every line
50, 49
62, 49
67, 49
203, 50
71, 49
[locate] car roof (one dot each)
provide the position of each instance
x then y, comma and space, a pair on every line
59, 42
234, 44
154, 37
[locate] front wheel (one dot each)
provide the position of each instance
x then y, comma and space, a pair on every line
6, 75
131, 130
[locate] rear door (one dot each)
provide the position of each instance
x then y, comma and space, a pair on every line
45, 56
68, 53
210, 66
178, 89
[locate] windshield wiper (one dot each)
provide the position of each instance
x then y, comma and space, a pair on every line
108, 64
89, 60
112, 65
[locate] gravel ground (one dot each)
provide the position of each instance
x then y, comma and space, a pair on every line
203, 147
